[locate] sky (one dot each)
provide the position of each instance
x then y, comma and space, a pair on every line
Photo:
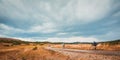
60, 20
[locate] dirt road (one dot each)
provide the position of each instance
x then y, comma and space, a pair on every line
88, 54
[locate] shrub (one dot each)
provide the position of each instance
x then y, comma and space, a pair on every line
35, 48
16, 43
23, 58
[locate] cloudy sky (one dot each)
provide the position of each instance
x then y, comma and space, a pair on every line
60, 20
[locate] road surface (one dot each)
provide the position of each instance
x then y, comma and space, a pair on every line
116, 53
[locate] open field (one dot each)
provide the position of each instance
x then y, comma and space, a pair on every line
20, 50
30, 53
89, 46
41, 53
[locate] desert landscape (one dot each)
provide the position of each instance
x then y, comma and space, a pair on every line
59, 29
14, 49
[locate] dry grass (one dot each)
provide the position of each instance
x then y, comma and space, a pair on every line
30, 52
27, 53
33, 51
89, 47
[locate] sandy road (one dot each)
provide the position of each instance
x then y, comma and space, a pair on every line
74, 54
116, 53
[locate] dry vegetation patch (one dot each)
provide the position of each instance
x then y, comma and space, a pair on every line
31, 53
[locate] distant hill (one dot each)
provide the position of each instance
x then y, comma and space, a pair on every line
113, 42
12, 40
9, 40
18, 41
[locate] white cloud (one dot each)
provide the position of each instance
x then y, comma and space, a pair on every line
83, 11
92, 10
111, 35
44, 16
72, 11
62, 33
72, 39
50, 16
117, 14
8, 29
44, 28
110, 23
55, 39
1, 35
